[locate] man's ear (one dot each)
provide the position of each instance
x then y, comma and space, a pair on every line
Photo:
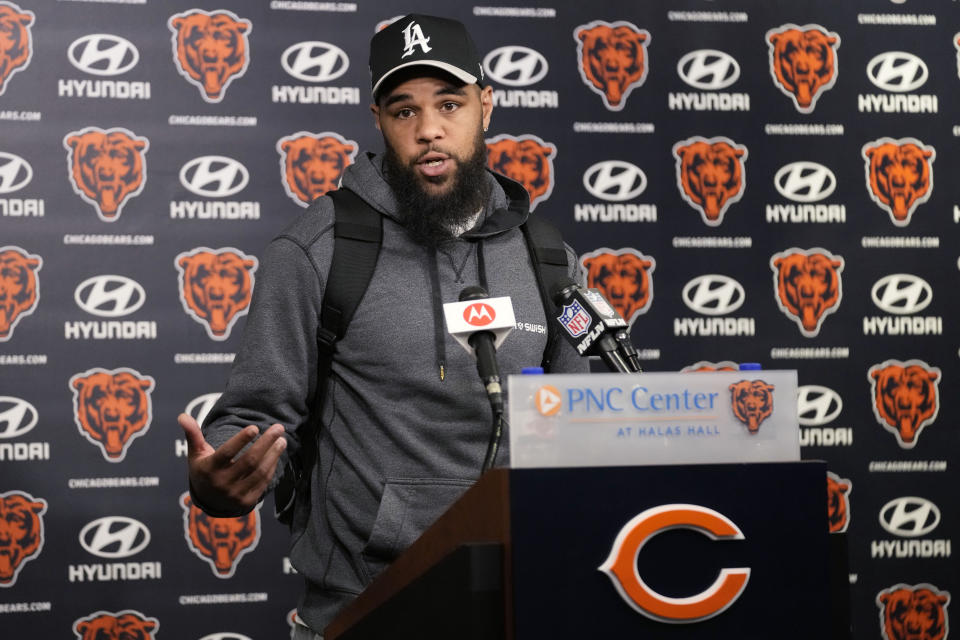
486, 104
375, 110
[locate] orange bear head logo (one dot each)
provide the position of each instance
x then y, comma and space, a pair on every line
19, 287
210, 49
917, 612
526, 159
624, 277
220, 541
838, 502
21, 533
710, 175
803, 62
16, 48
112, 408
613, 59
313, 163
122, 625
807, 286
899, 175
216, 286
906, 397
704, 365
752, 402
106, 167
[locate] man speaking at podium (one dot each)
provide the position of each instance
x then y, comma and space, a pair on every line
396, 429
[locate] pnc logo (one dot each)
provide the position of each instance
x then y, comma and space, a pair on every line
515, 66
906, 398
15, 173
909, 517
621, 565
897, 71
16, 48
479, 314
613, 59
817, 405
17, 417
713, 295
708, 69
528, 159
315, 61
805, 181
21, 529
210, 49
899, 175
710, 175
838, 502
615, 180
199, 407
109, 296
103, 54
120, 625
114, 537
901, 293
548, 400
803, 62
214, 176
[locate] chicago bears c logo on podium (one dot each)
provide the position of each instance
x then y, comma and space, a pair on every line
210, 49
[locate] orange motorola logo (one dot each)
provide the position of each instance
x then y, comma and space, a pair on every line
906, 398
752, 402
112, 408
807, 286
107, 167
210, 49
624, 277
838, 502
899, 175
222, 542
613, 59
479, 314
526, 159
621, 564
216, 286
19, 287
16, 49
710, 175
21, 533
917, 612
313, 163
121, 625
803, 62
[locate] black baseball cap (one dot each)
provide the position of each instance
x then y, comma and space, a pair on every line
424, 40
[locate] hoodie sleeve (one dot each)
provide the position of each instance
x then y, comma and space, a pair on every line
567, 360
274, 376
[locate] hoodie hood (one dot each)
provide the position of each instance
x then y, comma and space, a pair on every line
507, 207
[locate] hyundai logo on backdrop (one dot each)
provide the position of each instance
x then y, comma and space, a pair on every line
109, 296
214, 176
315, 61
114, 537
103, 54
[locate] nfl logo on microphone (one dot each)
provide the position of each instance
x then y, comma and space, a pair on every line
575, 319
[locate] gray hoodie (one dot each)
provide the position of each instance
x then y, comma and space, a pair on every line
396, 445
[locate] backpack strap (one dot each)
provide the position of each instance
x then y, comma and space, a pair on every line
549, 258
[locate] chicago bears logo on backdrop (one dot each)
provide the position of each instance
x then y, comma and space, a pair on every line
906, 397
752, 402
613, 59
624, 277
222, 542
803, 62
19, 287
107, 166
710, 175
112, 408
917, 612
899, 175
16, 49
122, 625
807, 286
21, 533
210, 49
312, 164
215, 287
526, 159
838, 502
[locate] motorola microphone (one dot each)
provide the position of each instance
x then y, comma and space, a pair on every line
480, 324
591, 325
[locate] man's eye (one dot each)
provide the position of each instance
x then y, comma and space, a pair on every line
404, 113
449, 106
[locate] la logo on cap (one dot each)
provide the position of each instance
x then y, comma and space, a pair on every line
413, 37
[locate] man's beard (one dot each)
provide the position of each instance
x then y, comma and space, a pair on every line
429, 218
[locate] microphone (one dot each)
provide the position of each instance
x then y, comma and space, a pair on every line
480, 324
592, 326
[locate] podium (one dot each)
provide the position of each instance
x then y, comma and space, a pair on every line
519, 557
